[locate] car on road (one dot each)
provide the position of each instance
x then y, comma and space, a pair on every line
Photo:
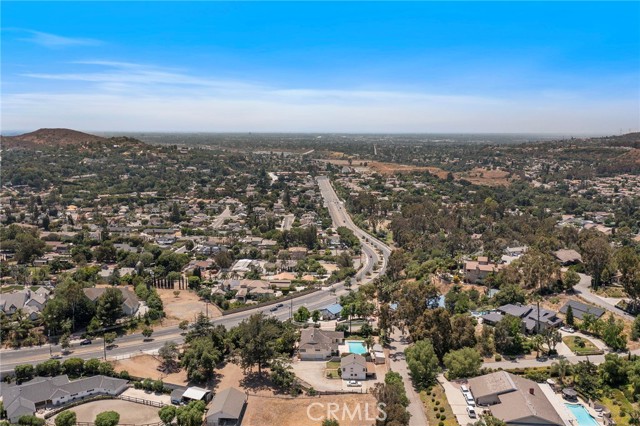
354, 383
279, 305
567, 329
56, 356
85, 342
275, 308
471, 412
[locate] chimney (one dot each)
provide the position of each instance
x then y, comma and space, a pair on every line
532, 391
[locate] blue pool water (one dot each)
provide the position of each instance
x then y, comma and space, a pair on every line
583, 416
357, 348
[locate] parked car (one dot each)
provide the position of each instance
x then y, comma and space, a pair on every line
469, 398
86, 342
464, 388
471, 412
567, 329
354, 383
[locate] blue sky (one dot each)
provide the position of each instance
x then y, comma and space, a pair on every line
324, 67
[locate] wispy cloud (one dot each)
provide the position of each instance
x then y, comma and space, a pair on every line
57, 41
110, 95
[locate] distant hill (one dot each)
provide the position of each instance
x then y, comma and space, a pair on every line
50, 137
631, 140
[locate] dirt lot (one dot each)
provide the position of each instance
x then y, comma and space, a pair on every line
130, 412
185, 306
263, 411
146, 366
486, 177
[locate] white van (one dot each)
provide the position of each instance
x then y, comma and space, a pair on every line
469, 398
471, 412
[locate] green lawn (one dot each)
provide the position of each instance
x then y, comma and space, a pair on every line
332, 369
10, 288
434, 401
581, 346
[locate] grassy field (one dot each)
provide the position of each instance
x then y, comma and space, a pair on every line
436, 405
581, 346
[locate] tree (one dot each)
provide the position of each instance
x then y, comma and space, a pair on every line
562, 367
330, 422
281, 373
169, 355
569, 316
175, 215
509, 294
49, 368
487, 347
257, 341
302, 314
538, 269
200, 358
147, 332
423, 363
613, 371
507, 335
463, 328
570, 279
109, 338
465, 362
191, 414
596, 255
612, 334
29, 420
392, 394
73, 367
435, 325
65, 342
107, 418
489, 420
109, 307
315, 315
166, 414
184, 325
586, 378
66, 418
628, 263
24, 372
551, 337
413, 298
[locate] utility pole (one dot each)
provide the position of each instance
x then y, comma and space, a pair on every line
104, 346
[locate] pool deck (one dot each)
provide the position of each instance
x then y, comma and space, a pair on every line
559, 404
344, 349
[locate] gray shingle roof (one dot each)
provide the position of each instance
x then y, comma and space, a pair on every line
229, 401
579, 309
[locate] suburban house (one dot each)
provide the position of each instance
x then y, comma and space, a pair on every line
331, 312
30, 302
130, 304
580, 309
25, 399
513, 399
532, 320
475, 271
567, 257
353, 367
316, 344
227, 408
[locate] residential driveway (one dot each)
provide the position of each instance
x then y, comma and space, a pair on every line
456, 401
313, 372
398, 364
597, 342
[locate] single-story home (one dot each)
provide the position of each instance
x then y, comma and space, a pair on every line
331, 312
580, 309
227, 408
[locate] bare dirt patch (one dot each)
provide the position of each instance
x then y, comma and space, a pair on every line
480, 176
146, 366
130, 412
184, 307
297, 411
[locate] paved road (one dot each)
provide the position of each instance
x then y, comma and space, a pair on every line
399, 365
287, 222
133, 343
583, 289
219, 221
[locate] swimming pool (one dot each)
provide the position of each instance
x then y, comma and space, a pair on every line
356, 347
581, 413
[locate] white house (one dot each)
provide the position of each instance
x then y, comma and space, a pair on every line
316, 344
353, 367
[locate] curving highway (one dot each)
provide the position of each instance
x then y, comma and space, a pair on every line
375, 253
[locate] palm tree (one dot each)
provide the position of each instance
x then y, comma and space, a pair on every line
562, 366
